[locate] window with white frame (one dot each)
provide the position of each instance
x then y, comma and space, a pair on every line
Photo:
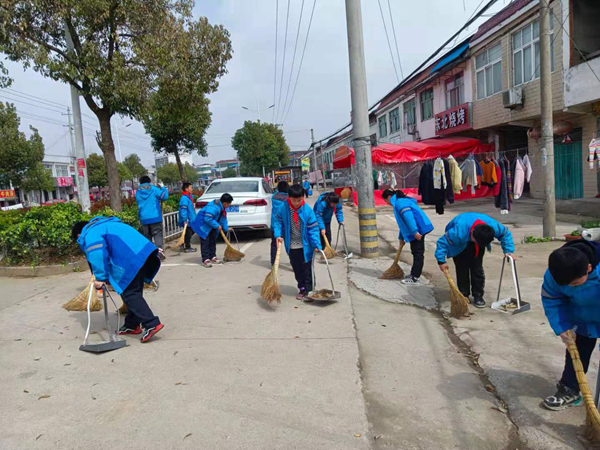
488, 67
526, 52
426, 104
62, 170
383, 126
394, 120
455, 90
410, 113
48, 166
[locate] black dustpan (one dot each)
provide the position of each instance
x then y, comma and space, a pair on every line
114, 342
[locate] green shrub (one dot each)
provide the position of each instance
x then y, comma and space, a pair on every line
590, 224
171, 204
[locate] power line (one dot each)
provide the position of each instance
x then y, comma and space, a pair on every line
33, 97
396, 39
284, 51
57, 141
28, 104
275, 65
388, 40
301, 61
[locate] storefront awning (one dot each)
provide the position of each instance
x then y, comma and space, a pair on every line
450, 57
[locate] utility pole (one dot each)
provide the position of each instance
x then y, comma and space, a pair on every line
312, 139
71, 133
83, 188
367, 217
549, 219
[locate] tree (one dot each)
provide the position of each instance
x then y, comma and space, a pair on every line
96, 168
190, 173
124, 173
38, 178
18, 154
260, 145
133, 163
121, 51
229, 173
168, 173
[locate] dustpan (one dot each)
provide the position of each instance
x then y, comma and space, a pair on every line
346, 254
510, 305
323, 295
114, 342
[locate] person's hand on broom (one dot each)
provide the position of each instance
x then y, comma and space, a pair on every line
279, 240
566, 338
322, 232
443, 267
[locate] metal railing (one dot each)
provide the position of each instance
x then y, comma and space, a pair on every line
171, 228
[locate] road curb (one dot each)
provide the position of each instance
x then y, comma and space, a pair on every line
42, 271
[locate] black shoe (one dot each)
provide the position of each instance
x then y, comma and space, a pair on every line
191, 250
479, 302
564, 398
161, 256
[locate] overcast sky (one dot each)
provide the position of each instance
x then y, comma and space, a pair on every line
322, 99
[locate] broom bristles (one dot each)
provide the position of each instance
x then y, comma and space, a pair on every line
181, 239
593, 416
328, 250
459, 304
395, 271
345, 194
231, 254
270, 287
79, 303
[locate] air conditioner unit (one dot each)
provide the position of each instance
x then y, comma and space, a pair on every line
411, 128
513, 98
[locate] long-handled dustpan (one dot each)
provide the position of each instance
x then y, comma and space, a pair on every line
114, 342
323, 294
510, 305
346, 254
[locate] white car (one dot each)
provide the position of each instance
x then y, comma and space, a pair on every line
251, 207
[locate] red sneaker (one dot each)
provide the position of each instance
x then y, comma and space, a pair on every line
126, 330
149, 332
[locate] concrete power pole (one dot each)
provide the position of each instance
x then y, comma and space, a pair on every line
367, 217
83, 188
549, 219
312, 139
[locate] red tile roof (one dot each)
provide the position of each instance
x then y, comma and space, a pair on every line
501, 16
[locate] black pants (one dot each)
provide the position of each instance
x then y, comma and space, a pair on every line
417, 248
273, 247
208, 246
327, 233
470, 277
188, 237
154, 233
306, 193
138, 311
302, 269
585, 345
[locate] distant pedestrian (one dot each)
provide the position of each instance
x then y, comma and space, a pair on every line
326, 204
120, 256
570, 295
187, 214
306, 186
466, 238
149, 198
414, 226
279, 198
208, 223
296, 226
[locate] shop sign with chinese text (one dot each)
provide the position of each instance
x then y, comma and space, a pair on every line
453, 120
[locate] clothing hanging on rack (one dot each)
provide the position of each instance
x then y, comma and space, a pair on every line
508, 181
380, 178
448, 184
426, 183
394, 183
594, 150
528, 168
375, 183
455, 175
439, 175
499, 177
502, 200
519, 181
489, 173
469, 173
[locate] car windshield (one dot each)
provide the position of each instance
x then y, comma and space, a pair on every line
220, 187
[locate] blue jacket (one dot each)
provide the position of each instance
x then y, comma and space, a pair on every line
278, 198
324, 212
567, 307
187, 212
410, 218
148, 198
309, 228
116, 252
458, 235
306, 184
210, 218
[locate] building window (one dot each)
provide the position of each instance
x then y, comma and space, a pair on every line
383, 126
48, 167
455, 91
526, 52
426, 104
62, 170
394, 120
488, 65
410, 113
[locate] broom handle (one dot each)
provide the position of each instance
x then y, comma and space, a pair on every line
277, 256
450, 280
584, 387
225, 238
326, 241
400, 247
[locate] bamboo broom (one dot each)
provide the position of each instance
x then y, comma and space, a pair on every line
459, 304
329, 252
231, 254
346, 193
395, 271
181, 239
593, 416
270, 287
80, 302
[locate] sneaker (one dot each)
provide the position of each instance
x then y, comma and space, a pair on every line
149, 332
479, 302
301, 295
161, 255
207, 263
216, 260
129, 330
191, 250
411, 281
182, 248
564, 398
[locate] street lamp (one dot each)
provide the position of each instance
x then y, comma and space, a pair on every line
258, 110
119, 140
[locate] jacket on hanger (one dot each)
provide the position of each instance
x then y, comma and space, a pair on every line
519, 181
455, 175
426, 183
449, 188
469, 174
528, 168
489, 173
502, 200
439, 174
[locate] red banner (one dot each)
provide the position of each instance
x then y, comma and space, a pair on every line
64, 181
7, 193
453, 120
80, 163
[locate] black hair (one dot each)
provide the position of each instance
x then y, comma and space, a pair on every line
566, 264
184, 186
283, 186
145, 179
483, 234
77, 228
332, 197
226, 198
586, 247
389, 192
296, 191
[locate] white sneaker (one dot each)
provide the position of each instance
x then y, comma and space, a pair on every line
411, 281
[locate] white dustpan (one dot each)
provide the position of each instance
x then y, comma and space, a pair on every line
510, 305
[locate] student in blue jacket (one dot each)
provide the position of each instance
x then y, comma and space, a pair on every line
326, 204
187, 214
118, 254
296, 226
149, 200
414, 226
466, 239
306, 186
279, 198
208, 223
571, 299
